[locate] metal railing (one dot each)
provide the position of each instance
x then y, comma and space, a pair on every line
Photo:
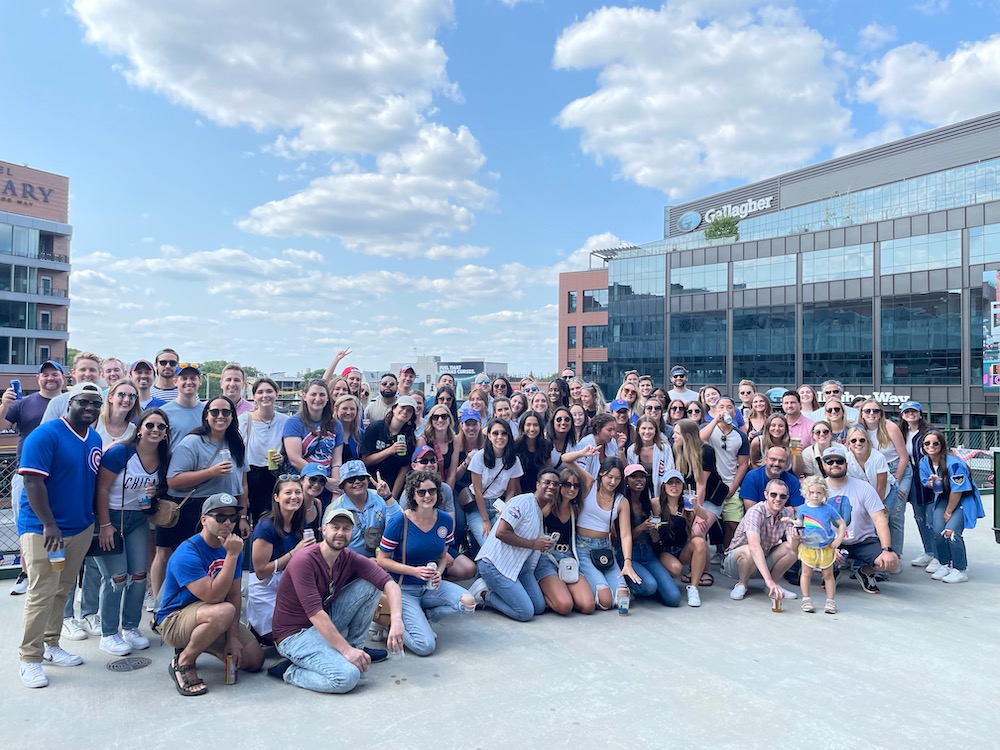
8, 529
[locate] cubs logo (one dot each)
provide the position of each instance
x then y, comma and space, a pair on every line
94, 459
442, 532
215, 567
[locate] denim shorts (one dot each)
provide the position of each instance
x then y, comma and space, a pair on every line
546, 566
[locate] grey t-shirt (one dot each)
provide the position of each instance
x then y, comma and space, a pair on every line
864, 501
447, 500
197, 452
183, 419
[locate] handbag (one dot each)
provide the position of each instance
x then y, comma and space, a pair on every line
383, 617
569, 567
604, 557
96, 550
168, 512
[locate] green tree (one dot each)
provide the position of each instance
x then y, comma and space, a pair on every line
723, 226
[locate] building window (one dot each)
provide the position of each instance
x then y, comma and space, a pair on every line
571, 302
6, 239
595, 300
698, 341
922, 339
699, 279
984, 244
595, 337
764, 344
924, 253
763, 273
852, 262
837, 341
571, 337
44, 353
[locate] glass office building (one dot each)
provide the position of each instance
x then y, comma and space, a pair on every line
867, 268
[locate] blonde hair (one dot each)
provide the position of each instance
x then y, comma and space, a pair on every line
815, 481
881, 432
863, 433
687, 456
353, 429
765, 436
429, 435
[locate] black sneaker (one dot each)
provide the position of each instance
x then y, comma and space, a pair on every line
377, 654
278, 670
868, 582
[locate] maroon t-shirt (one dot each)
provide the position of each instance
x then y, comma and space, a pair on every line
307, 581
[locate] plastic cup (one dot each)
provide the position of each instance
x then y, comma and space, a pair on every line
57, 559
776, 605
396, 655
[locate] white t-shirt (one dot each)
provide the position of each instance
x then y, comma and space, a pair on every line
265, 435
525, 518
875, 465
687, 396
495, 480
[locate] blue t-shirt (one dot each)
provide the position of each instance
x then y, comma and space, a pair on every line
190, 562
281, 543
818, 525
374, 516
753, 484
27, 414
317, 447
422, 547
69, 465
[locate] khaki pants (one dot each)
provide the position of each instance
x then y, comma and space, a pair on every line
47, 590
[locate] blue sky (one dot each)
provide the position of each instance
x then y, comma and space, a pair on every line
273, 182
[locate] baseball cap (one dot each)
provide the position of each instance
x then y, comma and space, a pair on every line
634, 469
672, 474
131, 367
406, 401
678, 370
79, 388
422, 451
618, 404
314, 470
334, 512
835, 451
51, 363
466, 414
915, 405
219, 500
407, 368
353, 468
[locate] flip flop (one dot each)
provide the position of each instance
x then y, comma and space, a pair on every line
686, 578
186, 686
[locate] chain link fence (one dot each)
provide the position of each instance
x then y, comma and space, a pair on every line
8, 529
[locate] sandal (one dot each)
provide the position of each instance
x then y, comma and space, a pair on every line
686, 578
807, 604
706, 580
831, 607
186, 686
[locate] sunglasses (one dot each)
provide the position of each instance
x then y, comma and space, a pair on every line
428, 492
562, 420
221, 412
931, 442
678, 376
317, 480
155, 425
693, 411
834, 410
356, 480
431, 460
871, 411
834, 392
654, 407
126, 396
821, 432
443, 417
224, 517
573, 485
289, 477
834, 461
166, 362
782, 495
88, 403
676, 408
186, 365
530, 389
858, 441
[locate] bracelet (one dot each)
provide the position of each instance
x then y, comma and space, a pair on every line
105, 525
628, 559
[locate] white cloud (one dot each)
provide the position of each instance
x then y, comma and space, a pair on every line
432, 322
453, 331
686, 100
338, 76
303, 256
875, 35
444, 252
913, 81
932, 7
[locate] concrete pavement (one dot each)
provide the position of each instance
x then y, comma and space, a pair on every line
913, 667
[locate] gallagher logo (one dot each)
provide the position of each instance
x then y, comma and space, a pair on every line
689, 221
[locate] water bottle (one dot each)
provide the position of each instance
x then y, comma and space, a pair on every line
623, 599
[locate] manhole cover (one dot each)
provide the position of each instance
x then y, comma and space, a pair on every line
129, 664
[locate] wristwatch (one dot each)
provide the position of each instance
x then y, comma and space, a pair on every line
888, 549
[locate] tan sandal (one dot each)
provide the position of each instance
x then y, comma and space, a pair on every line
831, 607
807, 604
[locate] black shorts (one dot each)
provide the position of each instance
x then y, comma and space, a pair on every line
186, 527
863, 553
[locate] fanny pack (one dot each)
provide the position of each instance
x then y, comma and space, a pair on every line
604, 557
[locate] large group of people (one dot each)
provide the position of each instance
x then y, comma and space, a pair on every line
366, 519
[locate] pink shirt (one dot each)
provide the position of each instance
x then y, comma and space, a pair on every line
802, 430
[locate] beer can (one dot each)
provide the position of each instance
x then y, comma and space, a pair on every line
432, 584
272, 459
15, 386
232, 673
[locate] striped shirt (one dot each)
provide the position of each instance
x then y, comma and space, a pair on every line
760, 521
525, 517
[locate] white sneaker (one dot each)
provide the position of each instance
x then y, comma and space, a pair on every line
32, 675
933, 566
20, 586
60, 657
478, 590
135, 639
923, 561
72, 631
941, 572
115, 645
148, 602
956, 576
694, 597
92, 624
788, 594
738, 592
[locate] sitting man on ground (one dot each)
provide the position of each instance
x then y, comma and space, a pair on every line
757, 547
202, 598
325, 603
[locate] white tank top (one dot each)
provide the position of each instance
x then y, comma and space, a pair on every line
889, 451
593, 517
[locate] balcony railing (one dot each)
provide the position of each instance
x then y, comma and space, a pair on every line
50, 327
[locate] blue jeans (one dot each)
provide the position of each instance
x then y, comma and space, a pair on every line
896, 507
922, 516
519, 600
597, 578
318, 666
126, 566
950, 551
656, 579
444, 600
90, 596
475, 522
